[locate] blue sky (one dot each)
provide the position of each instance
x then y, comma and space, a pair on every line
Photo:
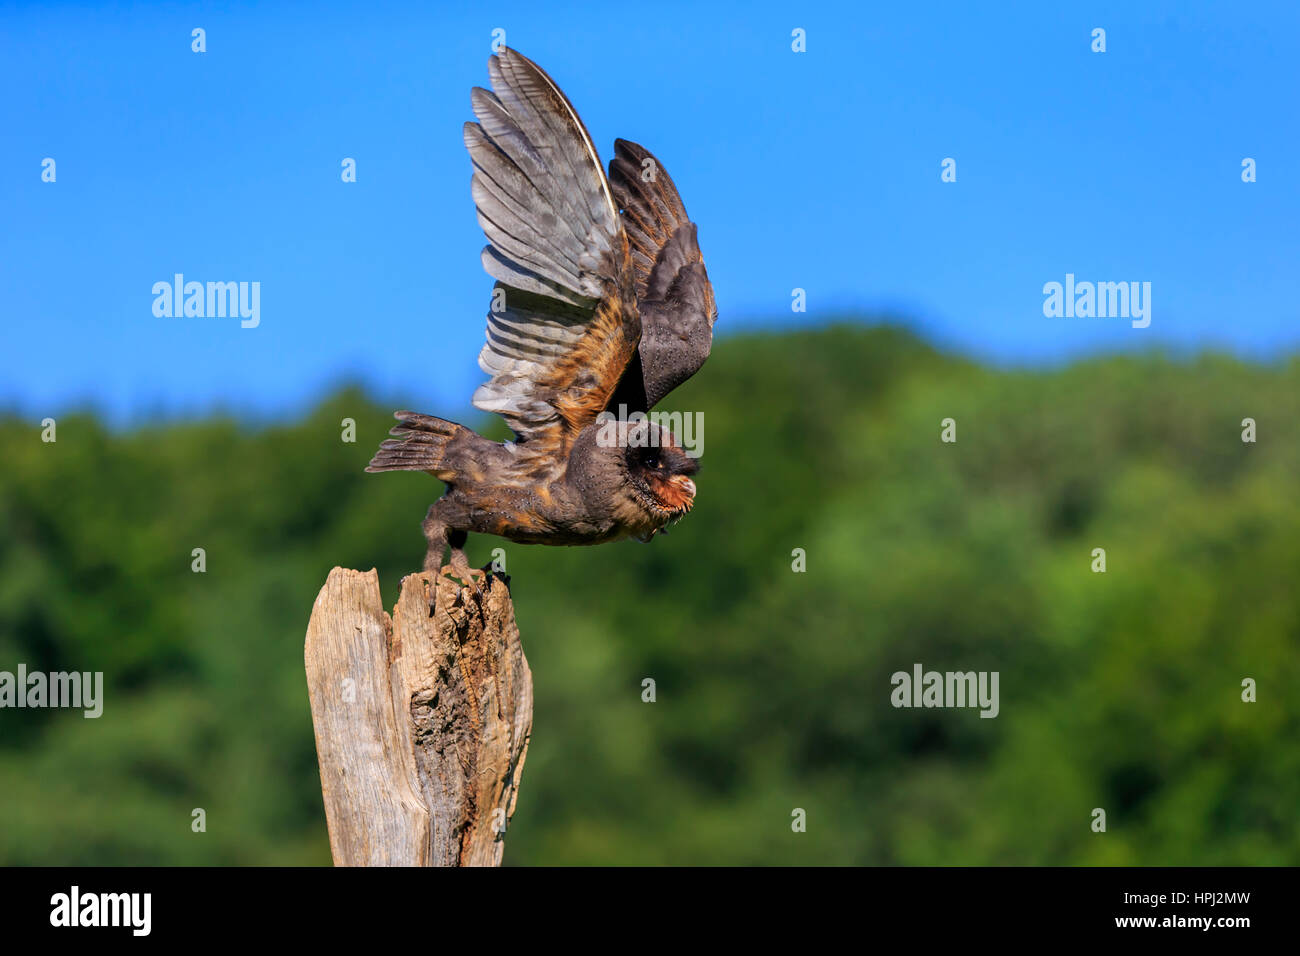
817, 170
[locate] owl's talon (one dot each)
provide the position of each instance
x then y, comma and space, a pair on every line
458, 570
473, 584
431, 592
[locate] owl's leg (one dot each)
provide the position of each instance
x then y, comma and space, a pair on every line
443, 537
439, 537
435, 532
458, 567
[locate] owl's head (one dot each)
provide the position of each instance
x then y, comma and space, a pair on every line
660, 475
635, 473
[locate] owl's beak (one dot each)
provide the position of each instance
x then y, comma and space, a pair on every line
675, 494
685, 491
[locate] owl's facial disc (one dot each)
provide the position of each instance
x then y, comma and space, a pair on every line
662, 477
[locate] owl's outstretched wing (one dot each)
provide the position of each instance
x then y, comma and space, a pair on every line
674, 296
564, 324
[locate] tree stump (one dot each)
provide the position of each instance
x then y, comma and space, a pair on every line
422, 723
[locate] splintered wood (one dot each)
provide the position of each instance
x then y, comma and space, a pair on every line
422, 723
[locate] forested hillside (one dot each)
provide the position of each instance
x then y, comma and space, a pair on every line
1120, 690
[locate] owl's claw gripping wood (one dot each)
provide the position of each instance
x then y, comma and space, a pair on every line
457, 567
466, 576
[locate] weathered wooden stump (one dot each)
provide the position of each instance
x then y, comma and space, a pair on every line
422, 723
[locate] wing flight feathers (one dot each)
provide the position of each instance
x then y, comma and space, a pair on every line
674, 295
564, 321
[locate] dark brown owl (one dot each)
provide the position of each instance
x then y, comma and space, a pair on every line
601, 300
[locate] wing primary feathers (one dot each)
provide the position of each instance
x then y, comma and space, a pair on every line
564, 322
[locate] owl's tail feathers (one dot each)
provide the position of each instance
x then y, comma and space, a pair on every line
421, 444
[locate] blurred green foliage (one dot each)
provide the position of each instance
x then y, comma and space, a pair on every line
1119, 690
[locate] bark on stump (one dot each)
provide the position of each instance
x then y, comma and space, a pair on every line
422, 723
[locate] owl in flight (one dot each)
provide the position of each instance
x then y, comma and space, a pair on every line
601, 302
